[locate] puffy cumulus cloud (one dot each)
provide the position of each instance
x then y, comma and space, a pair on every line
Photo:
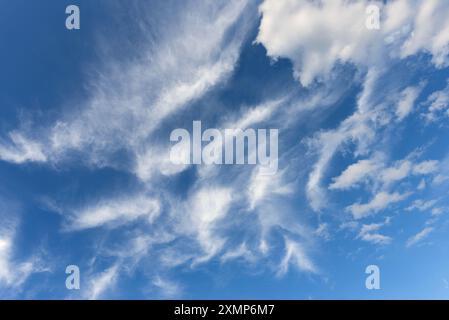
317, 35
380, 201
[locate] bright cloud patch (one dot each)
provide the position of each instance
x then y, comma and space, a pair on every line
362, 153
381, 201
116, 211
318, 35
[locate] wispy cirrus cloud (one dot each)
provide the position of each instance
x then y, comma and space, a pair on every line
188, 216
116, 211
420, 236
129, 100
21, 149
14, 270
100, 283
13, 273
295, 254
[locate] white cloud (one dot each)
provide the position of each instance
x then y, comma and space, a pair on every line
206, 207
100, 283
349, 225
422, 205
262, 187
407, 99
397, 172
376, 238
323, 231
129, 99
422, 184
316, 35
419, 236
439, 179
380, 202
240, 251
368, 233
21, 150
426, 167
13, 273
295, 255
430, 31
438, 211
438, 104
357, 129
156, 160
117, 211
355, 174
168, 288
404, 168
128, 104
375, 169
328, 143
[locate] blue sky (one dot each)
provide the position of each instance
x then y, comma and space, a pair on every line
86, 179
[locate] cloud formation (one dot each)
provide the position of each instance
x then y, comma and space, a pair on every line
317, 35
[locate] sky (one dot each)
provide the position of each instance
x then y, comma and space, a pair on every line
86, 177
